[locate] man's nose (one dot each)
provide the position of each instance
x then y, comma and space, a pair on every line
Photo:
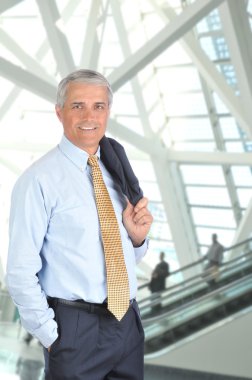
88, 113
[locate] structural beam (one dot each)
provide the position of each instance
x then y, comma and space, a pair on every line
91, 45
178, 220
9, 100
147, 146
30, 63
209, 158
211, 75
7, 4
26, 80
243, 231
165, 38
58, 41
40, 54
168, 179
25, 146
11, 166
238, 34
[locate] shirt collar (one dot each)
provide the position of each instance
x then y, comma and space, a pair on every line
78, 156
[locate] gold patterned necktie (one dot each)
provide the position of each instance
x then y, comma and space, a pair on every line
117, 276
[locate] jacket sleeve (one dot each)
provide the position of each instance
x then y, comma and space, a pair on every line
116, 161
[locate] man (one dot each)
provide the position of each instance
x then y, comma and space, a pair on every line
56, 271
158, 278
214, 256
159, 274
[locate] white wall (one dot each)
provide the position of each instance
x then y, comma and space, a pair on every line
225, 348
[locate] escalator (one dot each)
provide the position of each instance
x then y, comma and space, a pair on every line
191, 305
154, 372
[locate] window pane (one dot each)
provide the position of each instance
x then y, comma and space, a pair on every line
213, 217
143, 170
195, 147
229, 128
235, 147
220, 106
157, 211
208, 196
185, 104
244, 196
178, 79
190, 129
242, 175
202, 174
160, 231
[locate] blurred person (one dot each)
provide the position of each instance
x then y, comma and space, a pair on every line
57, 271
214, 257
158, 279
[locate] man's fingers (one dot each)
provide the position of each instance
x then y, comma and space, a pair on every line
141, 204
143, 216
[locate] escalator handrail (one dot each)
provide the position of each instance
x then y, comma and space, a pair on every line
146, 322
184, 282
201, 260
176, 292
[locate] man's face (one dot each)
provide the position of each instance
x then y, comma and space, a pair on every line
84, 115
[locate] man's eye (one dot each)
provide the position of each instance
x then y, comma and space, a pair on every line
99, 107
77, 106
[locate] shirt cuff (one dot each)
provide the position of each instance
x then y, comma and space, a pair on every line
47, 334
141, 251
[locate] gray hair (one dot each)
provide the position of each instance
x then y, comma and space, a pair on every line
82, 76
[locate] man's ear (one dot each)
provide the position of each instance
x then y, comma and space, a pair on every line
58, 112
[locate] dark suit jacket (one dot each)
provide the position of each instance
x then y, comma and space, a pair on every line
115, 160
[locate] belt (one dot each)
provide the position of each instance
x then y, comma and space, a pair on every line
96, 308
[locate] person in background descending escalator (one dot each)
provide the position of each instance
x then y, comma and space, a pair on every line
214, 256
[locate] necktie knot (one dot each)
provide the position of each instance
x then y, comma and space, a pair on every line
93, 160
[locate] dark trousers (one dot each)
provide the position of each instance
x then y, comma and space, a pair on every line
93, 345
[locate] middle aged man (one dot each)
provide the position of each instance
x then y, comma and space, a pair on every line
58, 272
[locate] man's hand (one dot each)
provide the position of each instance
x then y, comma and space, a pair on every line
137, 221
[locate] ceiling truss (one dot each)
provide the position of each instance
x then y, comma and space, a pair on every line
32, 76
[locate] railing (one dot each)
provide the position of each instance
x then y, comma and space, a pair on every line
192, 301
182, 321
198, 266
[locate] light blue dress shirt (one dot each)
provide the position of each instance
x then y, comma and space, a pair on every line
55, 244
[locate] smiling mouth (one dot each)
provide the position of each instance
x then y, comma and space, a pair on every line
87, 128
